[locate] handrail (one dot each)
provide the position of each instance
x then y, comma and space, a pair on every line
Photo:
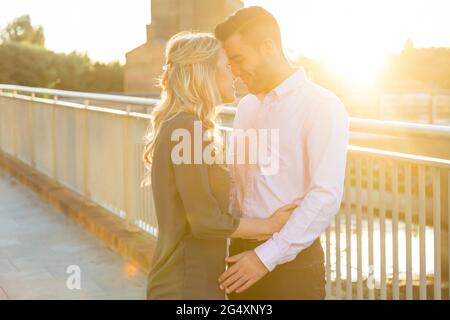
77, 105
356, 124
412, 158
81, 95
398, 127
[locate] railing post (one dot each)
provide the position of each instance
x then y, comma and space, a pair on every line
337, 235
382, 213
371, 284
348, 230
54, 157
1, 125
394, 230
422, 229
31, 130
130, 217
408, 227
14, 127
448, 229
85, 139
359, 288
328, 263
437, 232
444, 226
432, 109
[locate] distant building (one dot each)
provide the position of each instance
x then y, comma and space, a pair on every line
408, 45
144, 63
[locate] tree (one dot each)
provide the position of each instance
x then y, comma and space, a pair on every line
25, 61
34, 66
21, 30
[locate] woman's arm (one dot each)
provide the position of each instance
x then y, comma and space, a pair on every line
262, 229
203, 213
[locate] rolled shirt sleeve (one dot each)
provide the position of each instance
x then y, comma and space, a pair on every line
326, 137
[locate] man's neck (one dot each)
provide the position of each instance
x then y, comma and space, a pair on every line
284, 71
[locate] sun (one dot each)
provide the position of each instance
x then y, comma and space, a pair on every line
348, 37
357, 69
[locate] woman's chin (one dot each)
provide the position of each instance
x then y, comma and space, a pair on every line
229, 99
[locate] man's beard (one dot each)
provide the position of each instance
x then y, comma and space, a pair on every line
261, 77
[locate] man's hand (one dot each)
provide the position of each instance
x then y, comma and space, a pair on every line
247, 269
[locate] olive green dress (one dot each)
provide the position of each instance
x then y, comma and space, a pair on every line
193, 221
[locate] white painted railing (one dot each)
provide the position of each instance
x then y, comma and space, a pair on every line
389, 241
386, 242
431, 108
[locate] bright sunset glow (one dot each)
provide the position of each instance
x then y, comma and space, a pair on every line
352, 37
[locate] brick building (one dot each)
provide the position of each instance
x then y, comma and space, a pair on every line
143, 64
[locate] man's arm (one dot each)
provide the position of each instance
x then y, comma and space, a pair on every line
326, 145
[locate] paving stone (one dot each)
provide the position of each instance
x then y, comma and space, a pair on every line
38, 243
3, 295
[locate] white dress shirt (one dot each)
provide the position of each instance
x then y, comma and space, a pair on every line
313, 136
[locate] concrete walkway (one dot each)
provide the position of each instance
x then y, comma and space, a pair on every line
38, 244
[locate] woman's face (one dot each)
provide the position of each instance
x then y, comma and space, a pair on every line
225, 78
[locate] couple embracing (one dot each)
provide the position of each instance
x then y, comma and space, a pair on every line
238, 231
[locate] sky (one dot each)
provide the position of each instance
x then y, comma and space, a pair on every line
105, 29
346, 34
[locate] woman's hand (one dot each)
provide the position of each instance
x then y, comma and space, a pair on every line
276, 221
263, 229
280, 217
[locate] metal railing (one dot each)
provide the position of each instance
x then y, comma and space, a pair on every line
389, 241
386, 242
431, 108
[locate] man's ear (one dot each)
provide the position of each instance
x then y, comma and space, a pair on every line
268, 48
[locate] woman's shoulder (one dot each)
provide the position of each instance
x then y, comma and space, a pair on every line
185, 120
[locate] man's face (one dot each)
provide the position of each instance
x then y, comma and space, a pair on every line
247, 63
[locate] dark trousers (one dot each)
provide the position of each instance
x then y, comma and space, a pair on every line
300, 279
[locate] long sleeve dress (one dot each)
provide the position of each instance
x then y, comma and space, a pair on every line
193, 221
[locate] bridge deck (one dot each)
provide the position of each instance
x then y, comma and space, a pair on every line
38, 244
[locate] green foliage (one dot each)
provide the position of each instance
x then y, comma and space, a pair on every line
25, 61
21, 30
34, 66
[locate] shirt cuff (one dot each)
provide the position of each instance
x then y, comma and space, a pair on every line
269, 254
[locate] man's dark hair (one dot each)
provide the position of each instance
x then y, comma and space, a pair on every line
254, 23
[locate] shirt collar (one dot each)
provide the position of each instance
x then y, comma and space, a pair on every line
294, 81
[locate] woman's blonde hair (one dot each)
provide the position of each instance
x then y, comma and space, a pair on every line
188, 84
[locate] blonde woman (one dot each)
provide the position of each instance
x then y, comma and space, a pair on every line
191, 199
